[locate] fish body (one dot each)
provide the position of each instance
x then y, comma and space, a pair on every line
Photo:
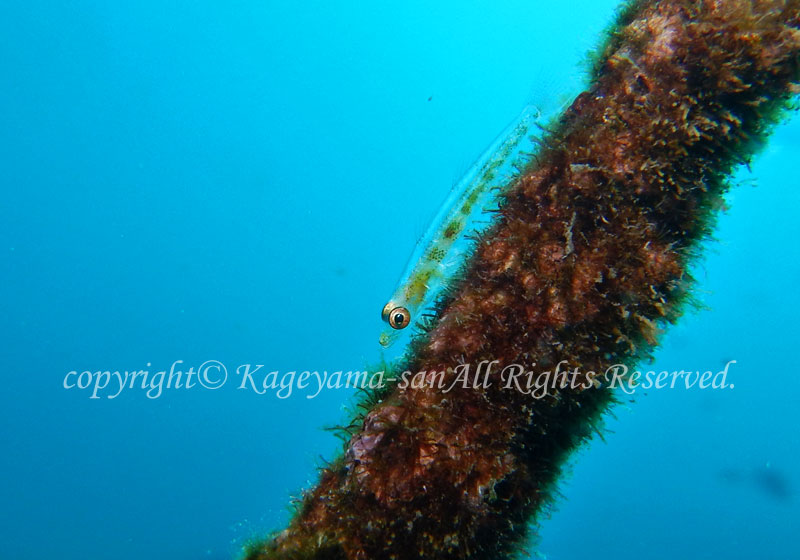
441, 251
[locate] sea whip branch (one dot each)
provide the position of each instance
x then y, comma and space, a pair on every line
586, 259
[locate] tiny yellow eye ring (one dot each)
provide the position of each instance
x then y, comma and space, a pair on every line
397, 317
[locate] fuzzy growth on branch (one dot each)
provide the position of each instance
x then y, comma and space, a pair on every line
586, 261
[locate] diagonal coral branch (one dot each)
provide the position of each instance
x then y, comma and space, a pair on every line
586, 260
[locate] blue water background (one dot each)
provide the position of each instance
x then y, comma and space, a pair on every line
243, 182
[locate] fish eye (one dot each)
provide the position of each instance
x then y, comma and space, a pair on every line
399, 318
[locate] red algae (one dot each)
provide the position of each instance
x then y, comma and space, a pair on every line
584, 264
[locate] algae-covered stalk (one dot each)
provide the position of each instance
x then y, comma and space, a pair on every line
586, 259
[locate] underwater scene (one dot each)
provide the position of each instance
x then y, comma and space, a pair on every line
305, 280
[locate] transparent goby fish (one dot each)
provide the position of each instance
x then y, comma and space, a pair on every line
441, 251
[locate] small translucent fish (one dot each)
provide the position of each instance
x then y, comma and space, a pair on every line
442, 250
